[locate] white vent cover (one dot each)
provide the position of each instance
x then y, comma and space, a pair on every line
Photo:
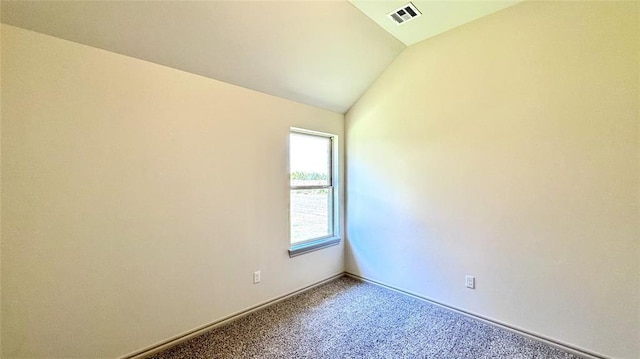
404, 14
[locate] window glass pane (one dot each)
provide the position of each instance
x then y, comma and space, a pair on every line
310, 214
309, 160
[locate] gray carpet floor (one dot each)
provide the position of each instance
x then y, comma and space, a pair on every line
347, 318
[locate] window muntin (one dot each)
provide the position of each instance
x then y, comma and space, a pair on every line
312, 193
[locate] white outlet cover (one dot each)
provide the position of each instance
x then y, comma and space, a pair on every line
470, 281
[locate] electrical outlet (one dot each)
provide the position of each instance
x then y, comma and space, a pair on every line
256, 277
470, 281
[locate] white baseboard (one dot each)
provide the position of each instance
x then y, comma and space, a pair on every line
166, 344
587, 354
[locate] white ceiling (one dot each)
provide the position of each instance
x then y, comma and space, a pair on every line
323, 53
437, 16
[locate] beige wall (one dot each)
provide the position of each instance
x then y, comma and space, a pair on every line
508, 149
138, 200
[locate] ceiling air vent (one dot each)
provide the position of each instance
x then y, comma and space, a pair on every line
404, 14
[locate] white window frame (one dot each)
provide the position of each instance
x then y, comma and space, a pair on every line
333, 238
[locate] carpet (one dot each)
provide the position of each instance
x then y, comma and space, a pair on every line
348, 318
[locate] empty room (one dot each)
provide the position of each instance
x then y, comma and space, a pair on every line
320, 179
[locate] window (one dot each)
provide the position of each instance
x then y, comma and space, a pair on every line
312, 212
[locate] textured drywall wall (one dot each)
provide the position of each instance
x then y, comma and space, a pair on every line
508, 149
138, 200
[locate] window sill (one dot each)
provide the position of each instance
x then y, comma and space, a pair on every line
307, 247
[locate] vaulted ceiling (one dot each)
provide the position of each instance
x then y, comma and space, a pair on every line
322, 53
436, 16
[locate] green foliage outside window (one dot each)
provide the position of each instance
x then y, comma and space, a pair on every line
309, 176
